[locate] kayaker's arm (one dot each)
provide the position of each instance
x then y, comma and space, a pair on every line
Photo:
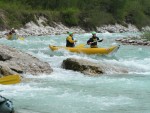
100, 40
89, 42
70, 40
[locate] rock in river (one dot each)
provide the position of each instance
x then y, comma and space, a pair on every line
91, 68
83, 66
13, 61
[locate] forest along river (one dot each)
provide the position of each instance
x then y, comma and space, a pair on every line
72, 92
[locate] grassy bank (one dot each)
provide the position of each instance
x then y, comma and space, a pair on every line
86, 13
17, 15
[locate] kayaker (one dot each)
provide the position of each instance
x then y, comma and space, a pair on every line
11, 34
70, 42
93, 40
12, 31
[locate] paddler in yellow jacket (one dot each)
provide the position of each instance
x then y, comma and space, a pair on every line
12, 35
70, 42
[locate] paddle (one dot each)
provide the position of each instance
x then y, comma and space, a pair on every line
10, 79
82, 45
21, 38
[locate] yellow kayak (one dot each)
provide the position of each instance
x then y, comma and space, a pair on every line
10, 79
103, 51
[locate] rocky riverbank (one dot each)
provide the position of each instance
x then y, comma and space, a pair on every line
58, 28
117, 28
39, 28
31, 29
134, 41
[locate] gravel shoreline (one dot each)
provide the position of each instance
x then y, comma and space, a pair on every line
32, 29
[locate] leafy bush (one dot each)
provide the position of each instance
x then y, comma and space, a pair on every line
86, 13
70, 16
100, 18
146, 35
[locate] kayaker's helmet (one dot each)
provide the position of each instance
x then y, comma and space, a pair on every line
70, 33
12, 29
93, 33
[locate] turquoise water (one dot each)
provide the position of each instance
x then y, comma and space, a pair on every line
66, 91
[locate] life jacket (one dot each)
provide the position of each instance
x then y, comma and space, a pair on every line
94, 42
70, 42
12, 36
9, 36
94, 46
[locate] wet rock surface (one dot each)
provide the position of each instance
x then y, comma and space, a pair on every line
91, 68
135, 41
13, 61
6, 105
82, 66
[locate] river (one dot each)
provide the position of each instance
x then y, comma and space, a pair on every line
66, 91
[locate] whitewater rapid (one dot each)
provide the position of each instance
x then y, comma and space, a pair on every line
66, 91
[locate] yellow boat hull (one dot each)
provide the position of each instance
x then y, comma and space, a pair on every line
10, 79
103, 51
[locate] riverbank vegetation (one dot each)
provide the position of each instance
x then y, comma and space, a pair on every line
146, 35
85, 13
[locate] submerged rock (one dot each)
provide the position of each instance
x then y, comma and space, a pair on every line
13, 61
83, 66
90, 68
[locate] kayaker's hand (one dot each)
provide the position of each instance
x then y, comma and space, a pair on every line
89, 43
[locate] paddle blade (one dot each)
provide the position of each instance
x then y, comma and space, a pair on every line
21, 38
80, 46
10, 79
